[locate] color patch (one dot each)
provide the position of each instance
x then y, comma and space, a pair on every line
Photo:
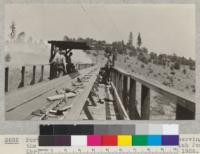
141, 129
46, 140
155, 129
101, 129
140, 140
127, 129
46, 130
124, 140
168, 140
73, 129
154, 140
61, 140
170, 129
79, 140
109, 140
94, 140
114, 129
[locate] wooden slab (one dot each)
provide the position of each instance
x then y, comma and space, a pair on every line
78, 102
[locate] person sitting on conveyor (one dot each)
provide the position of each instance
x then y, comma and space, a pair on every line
70, 66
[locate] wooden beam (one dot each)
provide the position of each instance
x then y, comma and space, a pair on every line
51, 66
122, 112
79, 102
22, 77
133, 113
6, 78
42, 74
183, 112
145, 103
124, 92
33, 76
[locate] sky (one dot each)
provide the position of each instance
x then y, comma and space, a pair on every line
164, 28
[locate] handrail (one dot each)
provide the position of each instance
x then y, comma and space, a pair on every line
185, 103
119, 103
158, 87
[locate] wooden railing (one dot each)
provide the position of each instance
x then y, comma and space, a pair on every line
34, 72
126, 90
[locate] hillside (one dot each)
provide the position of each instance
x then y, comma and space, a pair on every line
29, 54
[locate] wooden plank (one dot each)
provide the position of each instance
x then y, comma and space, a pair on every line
61, 96
78, 102
119, 104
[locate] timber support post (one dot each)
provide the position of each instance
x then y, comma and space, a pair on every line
6, 78
133, 113
42, 73
33, 77
145, 103
124, 92
22, 77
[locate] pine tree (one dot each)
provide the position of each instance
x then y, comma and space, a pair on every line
139, 40
130, 41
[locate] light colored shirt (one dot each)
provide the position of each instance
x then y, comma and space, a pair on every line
59, 58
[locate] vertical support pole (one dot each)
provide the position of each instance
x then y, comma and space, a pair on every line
6, 78
51, 66
133, 113
124, 92
33, 77
117, 81
22, 77
145, 103
42, 73
112, 76
120, 85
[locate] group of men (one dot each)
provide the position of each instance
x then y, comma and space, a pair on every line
61, 62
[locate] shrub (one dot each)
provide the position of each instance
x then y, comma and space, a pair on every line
192, 67
132, 53
7, 57
142, 58
176, 66
172, 73
184, 71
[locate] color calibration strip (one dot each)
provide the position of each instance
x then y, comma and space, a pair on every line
107, 135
